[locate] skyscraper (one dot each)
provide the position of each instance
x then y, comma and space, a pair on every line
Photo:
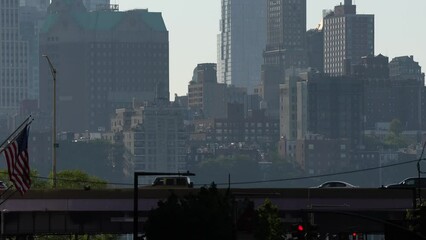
285, 48
13, 59
241, 42
348, 37
286, 29
32, 14
104, 60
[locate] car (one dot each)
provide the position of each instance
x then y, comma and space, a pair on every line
172, 182
411, 182
336, 184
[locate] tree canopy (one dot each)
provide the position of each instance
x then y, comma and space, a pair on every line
268, 223
77, 179
206, 215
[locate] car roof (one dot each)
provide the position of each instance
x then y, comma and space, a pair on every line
336, 182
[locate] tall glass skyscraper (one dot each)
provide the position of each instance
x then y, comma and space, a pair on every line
241, 42
13, 59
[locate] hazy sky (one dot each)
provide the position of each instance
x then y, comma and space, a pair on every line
194, 24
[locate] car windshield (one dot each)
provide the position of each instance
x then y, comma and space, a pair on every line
333, 184
415, 181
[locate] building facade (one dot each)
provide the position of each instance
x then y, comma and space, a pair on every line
348, 36
335, 107
32, 17
285, 48
14, 59
241, 42
104, 61
93, 5
256, 129
315, 49
318, 155
293, 107
206, 97
154, 136
405, 68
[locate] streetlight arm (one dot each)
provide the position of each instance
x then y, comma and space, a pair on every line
52, 68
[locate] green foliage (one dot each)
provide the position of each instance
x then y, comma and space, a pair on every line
207, 216
77, 179
395, 141
36, 181
268, 224
417, 220
395, 127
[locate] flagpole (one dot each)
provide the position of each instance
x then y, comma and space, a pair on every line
25, 122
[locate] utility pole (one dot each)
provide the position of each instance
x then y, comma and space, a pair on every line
54, 144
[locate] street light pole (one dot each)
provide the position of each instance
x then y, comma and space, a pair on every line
54, 144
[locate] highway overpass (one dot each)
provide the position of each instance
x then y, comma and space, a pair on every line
111, 210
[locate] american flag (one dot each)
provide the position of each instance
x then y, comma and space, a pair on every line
16, 154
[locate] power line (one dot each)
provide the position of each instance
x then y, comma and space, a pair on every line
317, 176
247, 182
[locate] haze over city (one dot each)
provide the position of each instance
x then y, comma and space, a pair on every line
194, 24
212, 119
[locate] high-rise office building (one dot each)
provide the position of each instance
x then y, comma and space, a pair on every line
293, 102
335, 107
285, 48
13, 59
286, 29
348, 37
315, 49
241, 42
32, 14
104, 61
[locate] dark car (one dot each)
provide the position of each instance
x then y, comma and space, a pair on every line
411, 182
172, 182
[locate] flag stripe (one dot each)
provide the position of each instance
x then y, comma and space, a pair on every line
16, 154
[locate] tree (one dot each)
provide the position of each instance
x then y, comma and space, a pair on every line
207, 216
417, 220
394, 139
395, 127
268, 224
77, 179
36, 181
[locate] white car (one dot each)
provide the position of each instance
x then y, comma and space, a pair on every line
336, 184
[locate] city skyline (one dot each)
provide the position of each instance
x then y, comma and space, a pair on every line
196, 40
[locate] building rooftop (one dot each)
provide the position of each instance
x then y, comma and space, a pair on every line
106, 20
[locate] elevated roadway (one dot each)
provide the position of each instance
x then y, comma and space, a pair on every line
111, 210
